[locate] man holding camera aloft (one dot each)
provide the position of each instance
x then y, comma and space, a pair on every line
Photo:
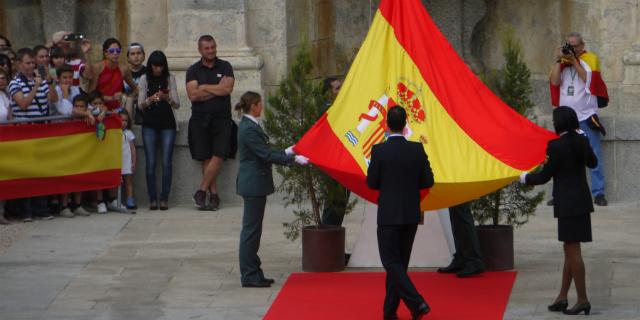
576, 82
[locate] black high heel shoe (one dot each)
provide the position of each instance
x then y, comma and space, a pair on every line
558, 306
586, 307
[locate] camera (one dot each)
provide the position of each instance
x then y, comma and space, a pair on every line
73, 37
567, 49
42, 72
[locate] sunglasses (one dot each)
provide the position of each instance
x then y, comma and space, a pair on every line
114, 50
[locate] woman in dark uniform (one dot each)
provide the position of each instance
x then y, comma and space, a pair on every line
567, 157
254, 183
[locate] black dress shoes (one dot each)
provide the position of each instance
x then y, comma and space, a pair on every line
390, 317
586, 307
558, 306
422, 310
470, 271
453, 267
269, 280
256, 284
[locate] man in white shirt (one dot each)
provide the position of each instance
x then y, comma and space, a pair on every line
576, 77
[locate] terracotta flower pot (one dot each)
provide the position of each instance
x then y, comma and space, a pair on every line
323, 248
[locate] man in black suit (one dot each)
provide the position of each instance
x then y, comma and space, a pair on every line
399, 169
467, 261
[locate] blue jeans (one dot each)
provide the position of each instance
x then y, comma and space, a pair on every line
166, 138
597, 174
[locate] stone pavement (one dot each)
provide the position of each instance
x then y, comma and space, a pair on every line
182, 264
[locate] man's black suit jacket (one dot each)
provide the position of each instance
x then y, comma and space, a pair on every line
567, 157
399, 169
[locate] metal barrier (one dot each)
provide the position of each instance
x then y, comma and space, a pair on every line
48, 118
40, 119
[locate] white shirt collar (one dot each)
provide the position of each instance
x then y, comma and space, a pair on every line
396, 135
252, 118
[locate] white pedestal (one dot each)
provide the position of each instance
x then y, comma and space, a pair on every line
433, 245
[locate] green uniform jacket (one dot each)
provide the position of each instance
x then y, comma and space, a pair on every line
255, 178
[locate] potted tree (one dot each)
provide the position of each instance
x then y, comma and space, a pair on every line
292, 110
512, 205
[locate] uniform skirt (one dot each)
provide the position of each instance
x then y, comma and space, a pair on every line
575, 229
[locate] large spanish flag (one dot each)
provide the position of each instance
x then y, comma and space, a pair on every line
55, 158
475, 143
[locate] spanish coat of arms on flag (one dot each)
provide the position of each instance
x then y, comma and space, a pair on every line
475, 143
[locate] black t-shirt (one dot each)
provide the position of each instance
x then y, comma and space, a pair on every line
218, 106
137, 74
158, 115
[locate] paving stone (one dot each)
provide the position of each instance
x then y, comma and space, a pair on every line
184, 265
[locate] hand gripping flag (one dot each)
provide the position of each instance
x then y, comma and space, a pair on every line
475, 143
56, 158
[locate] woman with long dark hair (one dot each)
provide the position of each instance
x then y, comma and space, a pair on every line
158, 98
567, 157
108, 75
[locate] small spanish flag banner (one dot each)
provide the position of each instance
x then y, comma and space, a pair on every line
60, 157
475, 143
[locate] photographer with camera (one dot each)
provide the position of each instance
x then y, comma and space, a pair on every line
576, 82
76, 51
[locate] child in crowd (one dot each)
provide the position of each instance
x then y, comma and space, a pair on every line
128, 158
135, 59
74, 208
98, 110
82, 108
56, 60
66, 91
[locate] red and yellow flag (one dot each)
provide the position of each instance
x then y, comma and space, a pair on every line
475, 143
594, 85
55, 158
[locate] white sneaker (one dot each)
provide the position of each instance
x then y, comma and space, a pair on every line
66, 213
113, 206
102, 208
80, 211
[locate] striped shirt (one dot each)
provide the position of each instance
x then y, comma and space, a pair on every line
78, 68
39, 106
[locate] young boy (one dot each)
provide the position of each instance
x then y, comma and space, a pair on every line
66, 90
99, 109
135, 59
82, 109
74, 208
128, 159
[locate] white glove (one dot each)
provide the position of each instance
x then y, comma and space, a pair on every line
523, 178
301, 160
289, 151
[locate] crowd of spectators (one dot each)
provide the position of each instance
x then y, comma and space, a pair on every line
59, 79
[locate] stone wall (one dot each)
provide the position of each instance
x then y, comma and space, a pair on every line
31, 22
610, 29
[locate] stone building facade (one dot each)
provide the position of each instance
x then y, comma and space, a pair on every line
259, 37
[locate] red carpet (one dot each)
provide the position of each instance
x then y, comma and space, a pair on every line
350, 295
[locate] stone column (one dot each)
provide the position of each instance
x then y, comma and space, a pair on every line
58, 15
226, 22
